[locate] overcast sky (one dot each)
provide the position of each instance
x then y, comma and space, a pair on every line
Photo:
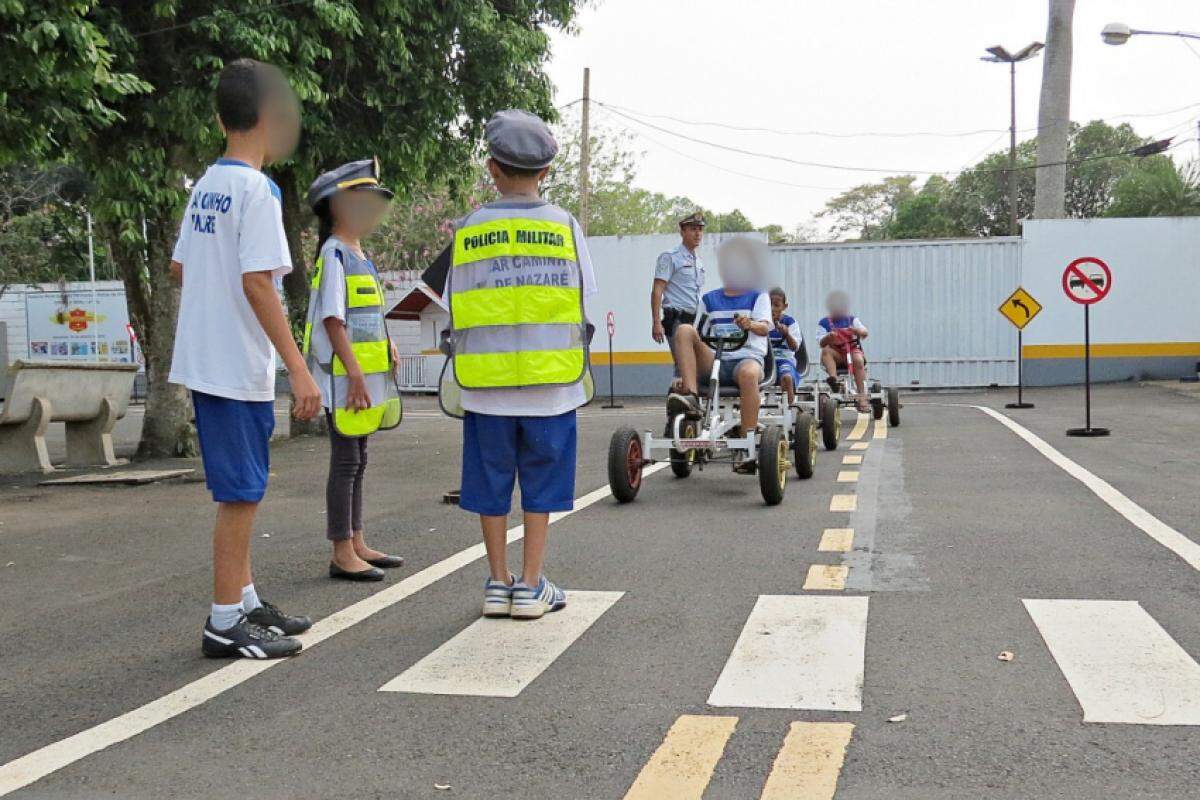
855, 66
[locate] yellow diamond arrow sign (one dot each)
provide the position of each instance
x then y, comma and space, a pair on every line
1020, 308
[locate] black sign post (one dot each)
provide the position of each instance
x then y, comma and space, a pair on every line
1020, 308
1020, 374
612, 386
1087, 281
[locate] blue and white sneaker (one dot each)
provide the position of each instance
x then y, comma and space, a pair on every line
530, 602
497, 597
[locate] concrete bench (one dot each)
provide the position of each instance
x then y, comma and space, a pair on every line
89, 398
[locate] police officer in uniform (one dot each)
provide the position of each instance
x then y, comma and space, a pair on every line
678, 278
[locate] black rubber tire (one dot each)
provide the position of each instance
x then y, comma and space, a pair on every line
804, 444
624, 482
681, 463
831, 422
772, 480
877, 409
893, 406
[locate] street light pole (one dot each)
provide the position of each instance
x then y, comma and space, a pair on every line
1001, 56
1118, 33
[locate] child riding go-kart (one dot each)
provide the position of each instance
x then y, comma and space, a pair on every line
719, 421
840, 336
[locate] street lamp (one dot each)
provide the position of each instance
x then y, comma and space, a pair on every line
1001, 56
1118, 33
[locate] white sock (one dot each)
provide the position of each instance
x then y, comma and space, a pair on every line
250, 599
225, 617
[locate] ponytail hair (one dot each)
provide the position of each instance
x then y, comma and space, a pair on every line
324, 224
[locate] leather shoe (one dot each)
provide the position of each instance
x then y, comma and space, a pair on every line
371, 574
386, 562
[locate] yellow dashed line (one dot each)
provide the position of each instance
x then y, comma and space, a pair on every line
683, 764
860, 446
810, 761
848, 476
860, 427
880, 429
831, 577
843, 502
852, 459
836, 540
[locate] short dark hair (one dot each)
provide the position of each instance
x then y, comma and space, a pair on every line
518, 172
777, 291
242, 89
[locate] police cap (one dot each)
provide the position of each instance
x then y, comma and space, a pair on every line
519, 139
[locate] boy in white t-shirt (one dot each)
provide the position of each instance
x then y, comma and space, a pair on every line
229, 257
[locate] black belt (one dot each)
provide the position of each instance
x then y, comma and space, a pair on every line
675, 316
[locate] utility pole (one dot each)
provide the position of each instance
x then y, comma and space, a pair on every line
584, 152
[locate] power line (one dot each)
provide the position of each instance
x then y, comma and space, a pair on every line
872, 134
216, 14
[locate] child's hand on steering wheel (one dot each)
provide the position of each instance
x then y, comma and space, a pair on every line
743, 322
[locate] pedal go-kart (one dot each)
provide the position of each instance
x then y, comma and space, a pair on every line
811, 399
881, 399
786, 436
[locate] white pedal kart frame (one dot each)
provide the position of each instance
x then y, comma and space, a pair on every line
786, 436
810, 399
882, 399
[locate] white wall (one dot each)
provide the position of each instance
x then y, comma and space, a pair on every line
1155, 265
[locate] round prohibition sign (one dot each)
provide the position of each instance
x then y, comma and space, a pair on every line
1087, 280
612, 323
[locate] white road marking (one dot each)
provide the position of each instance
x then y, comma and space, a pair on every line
1121, 665
847, 476
860, 446
880, 429
517, 651
843, 502
797, 651
49, 759
1151, 525
852, 459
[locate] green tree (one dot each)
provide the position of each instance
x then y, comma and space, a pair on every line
410, 80
1157, 188
864, 212
926, 214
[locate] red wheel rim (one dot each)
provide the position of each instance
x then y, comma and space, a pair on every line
633, 462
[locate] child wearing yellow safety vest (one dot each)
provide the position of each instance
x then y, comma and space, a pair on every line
520, 270
351, 356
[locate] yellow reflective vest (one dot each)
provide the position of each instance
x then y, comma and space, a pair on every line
516, 300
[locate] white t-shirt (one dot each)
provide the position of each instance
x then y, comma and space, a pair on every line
233, 225
537, 401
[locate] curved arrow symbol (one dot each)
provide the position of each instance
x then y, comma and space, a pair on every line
1021, 305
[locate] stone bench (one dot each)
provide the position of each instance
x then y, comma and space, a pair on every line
89, 398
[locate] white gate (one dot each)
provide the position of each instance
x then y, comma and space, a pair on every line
930, 306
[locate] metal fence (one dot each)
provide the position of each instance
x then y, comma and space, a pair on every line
930, 306
419, 372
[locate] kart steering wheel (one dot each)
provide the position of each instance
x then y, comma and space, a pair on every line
726, 344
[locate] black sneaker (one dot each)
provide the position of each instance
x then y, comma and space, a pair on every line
270, 617
246, 640
684, 403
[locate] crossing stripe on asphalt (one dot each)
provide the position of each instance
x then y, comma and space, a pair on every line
843, 502
826, 577
797, 651
1151, 525
44, 761
810, 761
880, 429
848, 476
860, 446
836, 540
518, 652
860, 426
683, 764
1121, 665
849, 460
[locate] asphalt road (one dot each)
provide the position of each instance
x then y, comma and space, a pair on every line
695, 641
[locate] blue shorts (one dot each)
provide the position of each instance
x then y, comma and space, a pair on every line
729, 370
235, 445
497, 449
785, 368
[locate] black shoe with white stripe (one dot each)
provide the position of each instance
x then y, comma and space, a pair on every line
247, 640
270, 617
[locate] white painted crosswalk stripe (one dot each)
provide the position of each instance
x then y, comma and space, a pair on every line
517, 652
797, 651
1121, 665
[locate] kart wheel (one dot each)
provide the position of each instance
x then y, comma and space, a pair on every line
877, 409
773, 465
625, 464
804, 444
831, 422
681, 462
893, 406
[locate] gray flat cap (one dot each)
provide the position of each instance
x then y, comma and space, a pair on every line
356, 175
520, 139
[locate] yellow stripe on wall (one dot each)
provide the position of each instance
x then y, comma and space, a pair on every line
629, 357
1113, 350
